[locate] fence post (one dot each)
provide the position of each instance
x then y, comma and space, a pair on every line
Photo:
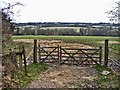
39, 55
35, 51
60, 58
58, 53
100, 55
24, 59
20, 55
106, 53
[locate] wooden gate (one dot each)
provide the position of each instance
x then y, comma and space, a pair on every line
80, 56
60, 55
49, 54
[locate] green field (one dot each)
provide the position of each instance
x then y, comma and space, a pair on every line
90, 40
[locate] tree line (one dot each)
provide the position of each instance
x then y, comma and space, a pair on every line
82, 31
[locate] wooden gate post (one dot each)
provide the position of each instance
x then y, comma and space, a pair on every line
20, 55
60, 55
24, 55
106, 53
100, 55
39, 54
35, 51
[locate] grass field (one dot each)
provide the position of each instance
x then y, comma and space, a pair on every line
70, 39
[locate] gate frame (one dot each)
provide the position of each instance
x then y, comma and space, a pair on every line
60, 51
71, 55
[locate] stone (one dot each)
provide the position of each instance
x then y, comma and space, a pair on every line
105, 72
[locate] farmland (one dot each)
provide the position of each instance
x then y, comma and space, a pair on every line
87, 40
93, 41
70, 39
58, 54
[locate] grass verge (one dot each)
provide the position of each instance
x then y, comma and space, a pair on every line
33, 71
107, 81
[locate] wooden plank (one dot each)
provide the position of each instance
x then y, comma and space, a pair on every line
50, 58
80, 53
49, 61
79, 49
81, 57
44, 51
49, 55
47, 47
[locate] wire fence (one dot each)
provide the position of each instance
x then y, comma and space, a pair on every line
18, 49
114, 59
114, 53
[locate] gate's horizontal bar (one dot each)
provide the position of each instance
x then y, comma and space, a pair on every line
46, 47
80, 53
80, 57
78, 49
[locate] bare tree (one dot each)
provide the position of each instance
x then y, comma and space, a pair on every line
114, 14
7, 11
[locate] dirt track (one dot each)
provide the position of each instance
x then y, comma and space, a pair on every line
66, 76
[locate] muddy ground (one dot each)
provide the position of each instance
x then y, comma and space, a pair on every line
66, 76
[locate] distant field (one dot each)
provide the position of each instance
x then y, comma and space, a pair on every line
91, 40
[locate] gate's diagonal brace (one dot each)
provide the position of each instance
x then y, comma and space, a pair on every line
71, 56
90, 56
48, 54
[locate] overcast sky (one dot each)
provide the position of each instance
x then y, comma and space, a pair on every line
63, 10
